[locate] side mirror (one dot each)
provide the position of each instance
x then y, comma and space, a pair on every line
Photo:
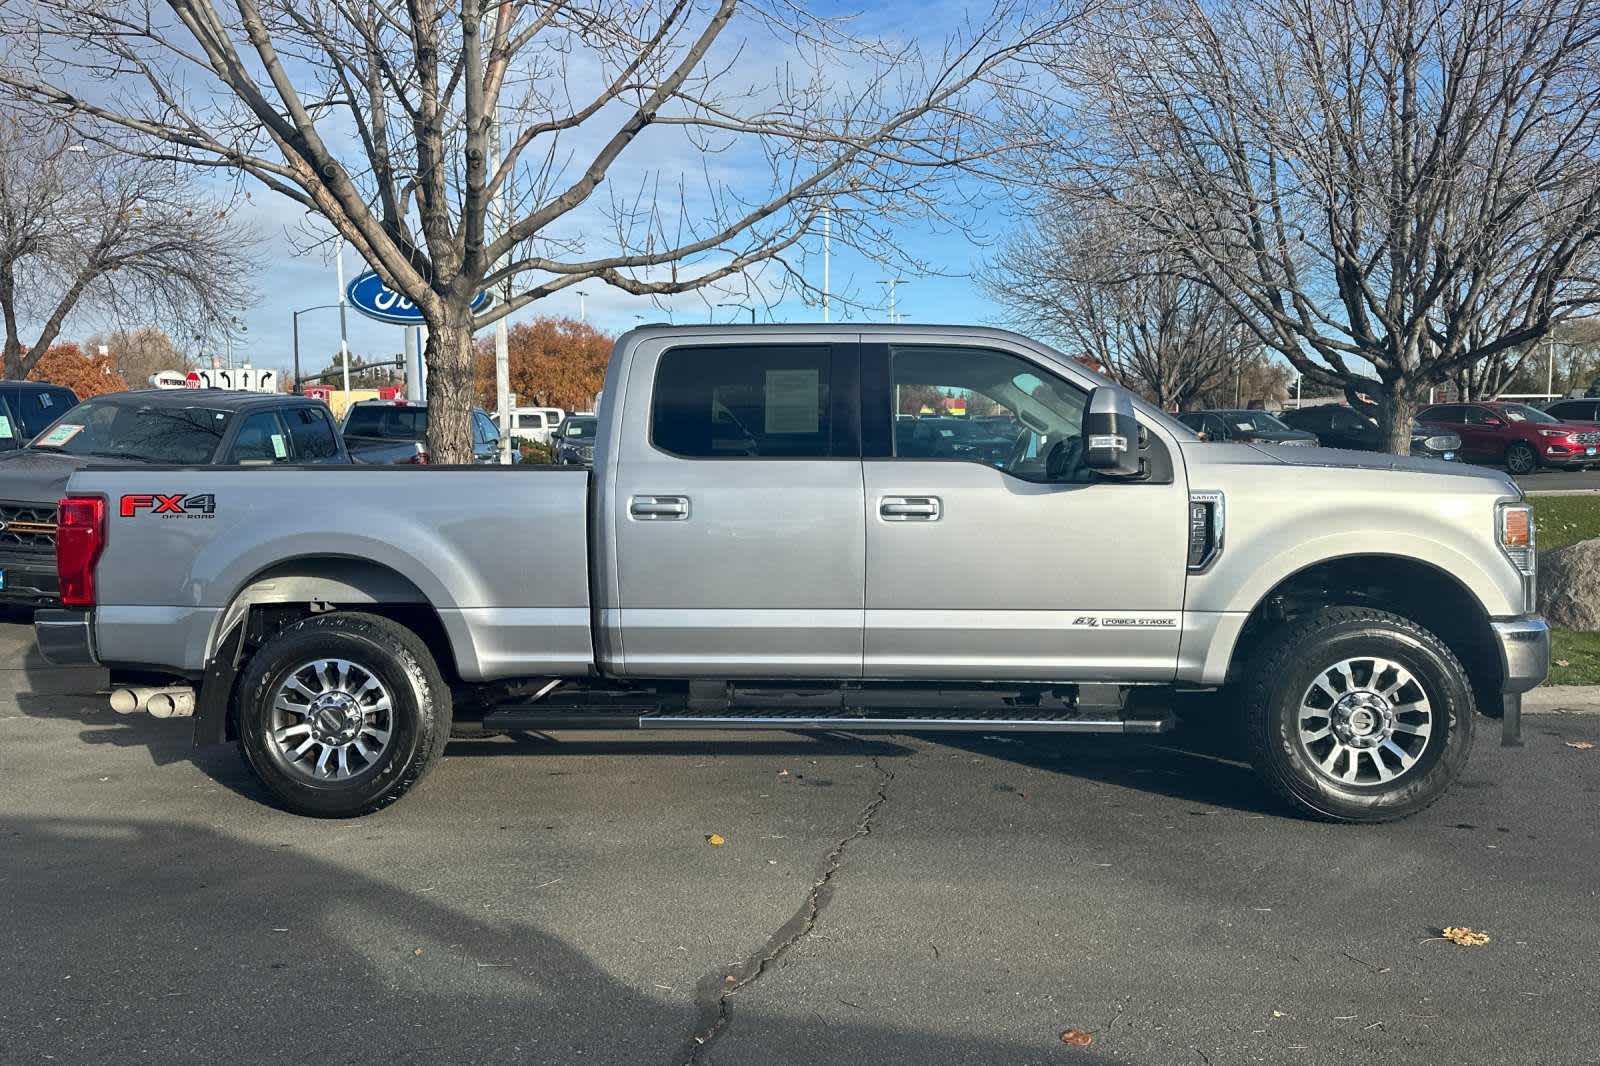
1111, 433
1492, 421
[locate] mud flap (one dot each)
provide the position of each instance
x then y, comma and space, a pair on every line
216, 689
1511, 720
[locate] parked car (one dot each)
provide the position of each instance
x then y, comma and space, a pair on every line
535, 424
575, 441
1250, 427
757, 549
386, 432
1584, 410
150, 427
1338, 426
27, 408
1520, 437
957, 438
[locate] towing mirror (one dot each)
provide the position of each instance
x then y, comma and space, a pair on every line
1111, 433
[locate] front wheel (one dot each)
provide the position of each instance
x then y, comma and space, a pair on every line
1521, 459
1358, 715
341, 713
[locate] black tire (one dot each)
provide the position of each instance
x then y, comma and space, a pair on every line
419, 715
1284, 670
1521, 459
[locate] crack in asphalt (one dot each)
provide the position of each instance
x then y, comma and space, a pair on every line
717, 988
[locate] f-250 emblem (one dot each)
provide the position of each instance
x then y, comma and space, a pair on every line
177, 504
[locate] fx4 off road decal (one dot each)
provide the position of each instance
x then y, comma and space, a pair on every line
176, 505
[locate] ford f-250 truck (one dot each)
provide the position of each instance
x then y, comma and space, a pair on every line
763, 543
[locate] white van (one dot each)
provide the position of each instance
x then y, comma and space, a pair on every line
535, 424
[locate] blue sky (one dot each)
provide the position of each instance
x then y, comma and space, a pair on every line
288, 282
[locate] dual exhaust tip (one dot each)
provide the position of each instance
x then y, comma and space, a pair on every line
175, 701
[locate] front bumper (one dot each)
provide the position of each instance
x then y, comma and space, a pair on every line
66, 638
1524, 663
1524, 652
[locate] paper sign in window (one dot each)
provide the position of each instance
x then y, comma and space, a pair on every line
278, 448
58, 436
792, 401
6, 432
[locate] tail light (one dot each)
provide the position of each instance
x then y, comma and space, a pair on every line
80, 536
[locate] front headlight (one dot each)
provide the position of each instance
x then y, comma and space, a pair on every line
1515, 533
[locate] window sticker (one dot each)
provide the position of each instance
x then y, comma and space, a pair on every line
1243, 425
45, 400
58, 436
6, 433
277, 446
792, 401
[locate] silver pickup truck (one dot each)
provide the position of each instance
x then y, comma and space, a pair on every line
786, 528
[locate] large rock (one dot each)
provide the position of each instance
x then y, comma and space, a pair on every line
1569, 586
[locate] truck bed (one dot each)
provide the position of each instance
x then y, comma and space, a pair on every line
500, 552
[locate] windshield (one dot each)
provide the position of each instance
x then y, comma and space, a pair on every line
1521, 412
580, 427
387, 421
129, 428
1258, 421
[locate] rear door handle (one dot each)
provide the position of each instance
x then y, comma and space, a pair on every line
659, 508
910, 508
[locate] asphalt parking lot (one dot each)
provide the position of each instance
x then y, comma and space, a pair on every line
888, 900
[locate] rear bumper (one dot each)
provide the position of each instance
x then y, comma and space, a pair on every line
29, 578
66, 638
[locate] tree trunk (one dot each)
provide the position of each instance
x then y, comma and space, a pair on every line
1398, 415
450, 394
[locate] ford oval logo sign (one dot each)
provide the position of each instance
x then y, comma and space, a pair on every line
369, 295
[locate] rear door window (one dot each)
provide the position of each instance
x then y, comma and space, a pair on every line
37, 408
261, 439
312, 434
740, 401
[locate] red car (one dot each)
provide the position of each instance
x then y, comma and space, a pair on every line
1523, 438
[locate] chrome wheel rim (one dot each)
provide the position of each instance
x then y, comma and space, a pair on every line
1365, 721
331, 720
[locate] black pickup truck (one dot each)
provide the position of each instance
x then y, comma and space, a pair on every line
185, 427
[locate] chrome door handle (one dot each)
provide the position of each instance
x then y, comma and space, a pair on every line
659, 508
910, 508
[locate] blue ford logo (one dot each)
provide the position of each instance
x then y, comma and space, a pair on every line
369, 295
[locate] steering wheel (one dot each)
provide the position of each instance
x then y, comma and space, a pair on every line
1065, 463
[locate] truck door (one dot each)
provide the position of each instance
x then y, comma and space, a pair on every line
989, 568
736, 511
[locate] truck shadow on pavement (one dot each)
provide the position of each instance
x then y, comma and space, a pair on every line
175, 941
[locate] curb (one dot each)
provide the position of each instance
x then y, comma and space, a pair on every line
1562, 699
1561, 492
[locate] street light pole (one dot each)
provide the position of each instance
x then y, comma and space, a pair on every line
747, 307
296, 317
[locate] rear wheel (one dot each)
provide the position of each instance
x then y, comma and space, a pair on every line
1521, 458
1358, 715
342, 713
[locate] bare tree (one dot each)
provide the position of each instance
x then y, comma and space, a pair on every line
1398, 188
141, 352
83, 229
453, 144
1075, 275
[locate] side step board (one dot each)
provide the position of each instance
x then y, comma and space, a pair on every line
538, 719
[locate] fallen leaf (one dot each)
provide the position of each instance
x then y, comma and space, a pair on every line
1563, 662
1076, 1038
715, 840
1467, 938
417, 952
1581, 745
783, 773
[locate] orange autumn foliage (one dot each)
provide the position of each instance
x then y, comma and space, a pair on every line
86, 375
555, 362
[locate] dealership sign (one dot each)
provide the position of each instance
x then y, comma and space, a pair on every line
369, 295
